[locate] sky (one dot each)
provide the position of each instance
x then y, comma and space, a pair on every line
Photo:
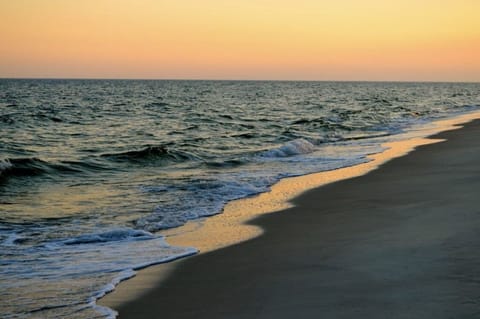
371, 40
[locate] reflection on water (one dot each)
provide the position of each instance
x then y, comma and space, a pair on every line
91, 170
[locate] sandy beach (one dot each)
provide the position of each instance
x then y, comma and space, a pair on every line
399, 242
239, 159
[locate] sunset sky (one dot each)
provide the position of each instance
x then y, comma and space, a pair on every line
427, 40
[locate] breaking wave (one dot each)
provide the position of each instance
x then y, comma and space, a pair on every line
292, 148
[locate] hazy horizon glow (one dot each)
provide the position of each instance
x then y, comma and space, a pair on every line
426, 40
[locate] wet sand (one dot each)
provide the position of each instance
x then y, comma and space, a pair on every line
399, 242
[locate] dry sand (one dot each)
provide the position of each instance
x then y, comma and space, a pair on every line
399, 242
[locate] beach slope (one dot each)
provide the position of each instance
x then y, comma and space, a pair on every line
400, 242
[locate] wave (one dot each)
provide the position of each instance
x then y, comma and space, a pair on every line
52, 118
226, 163
151, 152
112, 235
245, 135
12, 167
7, 119
91, 265
363, 137
156, 104
292, 148
11, 239
328, 124
33, 166
5, 165
202, 197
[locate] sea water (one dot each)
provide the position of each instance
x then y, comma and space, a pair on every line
91, 170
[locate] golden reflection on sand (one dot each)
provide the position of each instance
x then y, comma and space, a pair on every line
229, 228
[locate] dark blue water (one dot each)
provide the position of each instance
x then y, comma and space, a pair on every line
91, 170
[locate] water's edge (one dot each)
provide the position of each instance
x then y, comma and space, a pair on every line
229, 227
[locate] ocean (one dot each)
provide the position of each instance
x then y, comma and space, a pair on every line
92, 170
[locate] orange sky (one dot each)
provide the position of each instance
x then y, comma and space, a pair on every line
432, 40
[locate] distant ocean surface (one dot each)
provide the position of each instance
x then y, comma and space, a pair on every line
90, 170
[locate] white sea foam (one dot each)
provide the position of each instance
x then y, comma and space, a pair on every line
81, 269
11, 238
292, 148
199, 161
4, 165
127, 274
111, 235
202, 198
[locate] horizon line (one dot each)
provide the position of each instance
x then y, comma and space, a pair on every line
228, 80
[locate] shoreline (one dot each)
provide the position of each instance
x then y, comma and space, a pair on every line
234, 225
